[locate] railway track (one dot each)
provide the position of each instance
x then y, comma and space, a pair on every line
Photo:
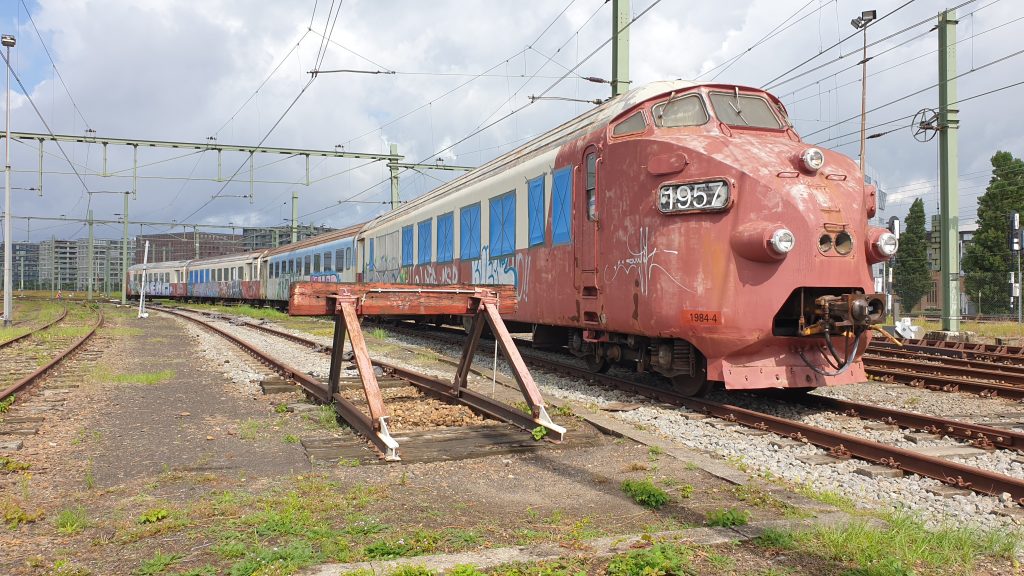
838, 444
27, 359
986, 373
428, 385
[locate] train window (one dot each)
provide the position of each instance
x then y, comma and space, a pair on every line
291, 267
369, 262
632, 125
316, 263
328, 265
339, 258
535, 214
683, 111
561, 206
743, 110
219, 275
241, 273
469, 232
307, 263
592, 186
502, 224
445, 237
425, 231
349, 263
407, 246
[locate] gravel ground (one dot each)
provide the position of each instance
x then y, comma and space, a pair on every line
759, 456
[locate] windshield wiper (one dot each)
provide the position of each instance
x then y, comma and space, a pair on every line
739, 114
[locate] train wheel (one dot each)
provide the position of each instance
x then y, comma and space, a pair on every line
597, 364
693, 384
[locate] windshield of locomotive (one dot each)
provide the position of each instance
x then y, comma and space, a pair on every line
744, 110
681, 111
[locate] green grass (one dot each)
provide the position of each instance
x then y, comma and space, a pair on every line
147, 378
71, 521
153, 515
6, 403
157, 564
249, 429
327, 418
727, 517
659, 559
291, 439
10, 465
645, 493
905, 546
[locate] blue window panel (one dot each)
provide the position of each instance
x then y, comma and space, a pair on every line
561, 206
503, 224
426, 241
536, 210
407, 246
469, 230
369, 265
445, 237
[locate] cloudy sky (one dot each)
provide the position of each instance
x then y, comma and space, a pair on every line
187, 70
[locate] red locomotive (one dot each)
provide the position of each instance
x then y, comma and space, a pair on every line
682, 228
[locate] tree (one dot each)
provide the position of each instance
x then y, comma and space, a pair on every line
911, 279
988, 259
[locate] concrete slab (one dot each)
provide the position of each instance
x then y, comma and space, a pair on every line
694, 415
21, 419
10, 445
300, 407
880, 426
918, 437
276, 386
20, 431
948, 491
619, 407
950, 451
785, 443
878, 471
818, 459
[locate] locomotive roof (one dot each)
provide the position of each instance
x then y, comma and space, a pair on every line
154, 265
604, 112
316, 240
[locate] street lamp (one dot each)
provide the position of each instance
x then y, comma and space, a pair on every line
861, 23
7, 40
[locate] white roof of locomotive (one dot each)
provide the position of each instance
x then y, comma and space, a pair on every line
604, 112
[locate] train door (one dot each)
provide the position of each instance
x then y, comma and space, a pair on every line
588, 200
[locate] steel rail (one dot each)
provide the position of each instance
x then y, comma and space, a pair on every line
978, 434
839, 444
993, 356
357, 418
63, 315
995, 376
942, 382
1011, 370
42, 370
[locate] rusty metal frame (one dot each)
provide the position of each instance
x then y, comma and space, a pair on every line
485, 306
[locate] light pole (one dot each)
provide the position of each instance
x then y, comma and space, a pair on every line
7, 40
861, 23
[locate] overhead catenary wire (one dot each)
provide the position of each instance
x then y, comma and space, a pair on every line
54, 64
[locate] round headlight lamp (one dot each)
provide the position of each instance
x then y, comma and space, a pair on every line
782, 241
887, 244
813, 159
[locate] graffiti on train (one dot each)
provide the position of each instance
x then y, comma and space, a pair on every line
513, 269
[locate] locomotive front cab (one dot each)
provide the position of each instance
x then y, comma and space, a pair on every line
756, 249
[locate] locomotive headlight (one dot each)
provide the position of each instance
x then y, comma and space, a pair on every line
813, 159
782, 241
887, 244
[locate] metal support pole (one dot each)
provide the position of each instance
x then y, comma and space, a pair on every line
620, 46
53, 265
124, 254
91, 253
864, 103
195, 239
252, 177
39, 187
295, 217
393, 167
8, 41
949, 209
1020, 287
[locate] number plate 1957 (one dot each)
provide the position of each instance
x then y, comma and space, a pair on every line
703, 317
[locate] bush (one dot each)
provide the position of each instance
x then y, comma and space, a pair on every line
727, 518
645, 493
